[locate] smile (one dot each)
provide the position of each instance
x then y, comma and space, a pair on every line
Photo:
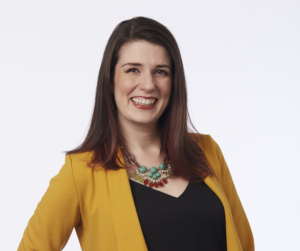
143, 101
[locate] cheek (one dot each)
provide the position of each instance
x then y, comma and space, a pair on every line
120, 97
166, 89
121, 86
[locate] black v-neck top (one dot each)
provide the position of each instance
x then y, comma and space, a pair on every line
194, 221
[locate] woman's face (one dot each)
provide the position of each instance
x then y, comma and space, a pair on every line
142, 82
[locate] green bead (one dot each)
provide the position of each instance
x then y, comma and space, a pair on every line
157, 175
162, 166
142, 169
141, 179
153, 169
154, 176
136, 177
132, 175
150, 175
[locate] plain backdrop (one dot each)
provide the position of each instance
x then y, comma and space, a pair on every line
242, 64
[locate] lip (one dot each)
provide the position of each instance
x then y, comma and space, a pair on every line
143, 107
143, 97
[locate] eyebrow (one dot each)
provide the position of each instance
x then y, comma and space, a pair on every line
138, 64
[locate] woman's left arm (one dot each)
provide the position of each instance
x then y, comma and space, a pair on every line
239, 216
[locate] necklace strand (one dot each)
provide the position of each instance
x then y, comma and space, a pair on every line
151, 177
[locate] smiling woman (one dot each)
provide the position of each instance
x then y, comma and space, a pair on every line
182, 183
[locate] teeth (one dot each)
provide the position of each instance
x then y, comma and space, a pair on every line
142, 101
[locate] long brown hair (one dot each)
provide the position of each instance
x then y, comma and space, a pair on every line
104, 136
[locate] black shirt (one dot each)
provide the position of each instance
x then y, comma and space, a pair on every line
193, 221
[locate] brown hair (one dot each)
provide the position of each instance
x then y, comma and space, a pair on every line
104, 137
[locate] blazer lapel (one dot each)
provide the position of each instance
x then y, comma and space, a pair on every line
127, 226
233, 241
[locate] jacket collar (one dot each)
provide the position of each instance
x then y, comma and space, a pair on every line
127, 226
234, 242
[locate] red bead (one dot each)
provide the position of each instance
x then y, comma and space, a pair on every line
165, 181
156, 185
150, 184
161, 184
146, 182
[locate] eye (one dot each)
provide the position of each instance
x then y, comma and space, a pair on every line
162, 72
132, 70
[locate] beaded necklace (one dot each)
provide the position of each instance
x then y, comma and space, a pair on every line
152, 177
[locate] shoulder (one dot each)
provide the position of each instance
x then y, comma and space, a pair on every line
206, 143
87, 179
82, 171
81, 159
211, 150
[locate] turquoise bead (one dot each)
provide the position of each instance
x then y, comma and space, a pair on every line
153, 169
150, 175
154, 176
142, 169
157, 175
162, 166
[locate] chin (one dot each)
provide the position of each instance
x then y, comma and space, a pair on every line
144, 121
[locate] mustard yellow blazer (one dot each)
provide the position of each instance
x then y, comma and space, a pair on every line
99, 204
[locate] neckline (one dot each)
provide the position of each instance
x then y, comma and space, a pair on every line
135, 182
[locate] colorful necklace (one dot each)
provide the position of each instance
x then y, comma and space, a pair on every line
151, 177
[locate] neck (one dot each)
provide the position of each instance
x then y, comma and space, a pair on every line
140, 138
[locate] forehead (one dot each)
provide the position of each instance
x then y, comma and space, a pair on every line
143, 52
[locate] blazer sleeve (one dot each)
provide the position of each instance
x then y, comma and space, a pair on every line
56, 214
239, 216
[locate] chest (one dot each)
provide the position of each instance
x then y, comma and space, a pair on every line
193, 221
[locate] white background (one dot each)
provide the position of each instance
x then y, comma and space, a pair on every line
242, 64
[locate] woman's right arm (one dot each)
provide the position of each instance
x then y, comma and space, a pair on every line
56, 214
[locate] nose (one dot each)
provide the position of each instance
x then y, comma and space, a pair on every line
147, 82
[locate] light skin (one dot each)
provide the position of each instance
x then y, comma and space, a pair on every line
143, 72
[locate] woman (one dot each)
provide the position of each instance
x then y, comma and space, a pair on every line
140, 180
